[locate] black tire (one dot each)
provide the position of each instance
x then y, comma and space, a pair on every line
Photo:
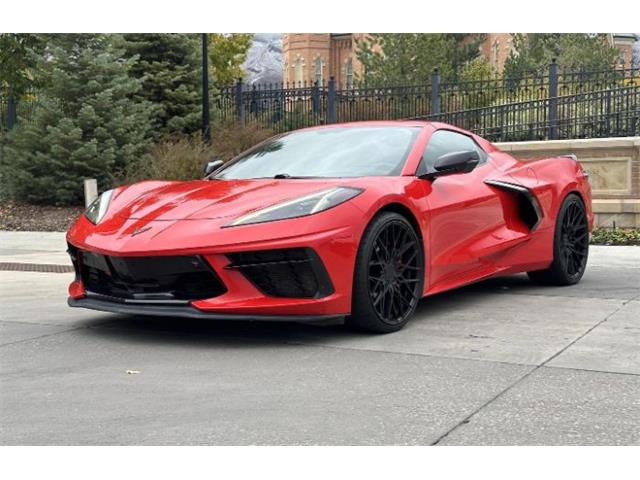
389, 275
570, 245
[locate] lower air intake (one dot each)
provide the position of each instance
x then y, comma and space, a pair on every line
171, 279
286, 272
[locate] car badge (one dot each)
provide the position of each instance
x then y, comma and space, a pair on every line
137, 231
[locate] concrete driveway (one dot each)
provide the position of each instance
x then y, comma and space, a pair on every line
502, 362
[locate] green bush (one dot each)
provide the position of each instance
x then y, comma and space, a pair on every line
170, 70
230, 139
615, 236
183, 158
175, 159
87, 125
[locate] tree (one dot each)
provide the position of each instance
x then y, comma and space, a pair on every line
88, 124
533, 52
226, 53
392, 58
169, 66
466, 58
19, 55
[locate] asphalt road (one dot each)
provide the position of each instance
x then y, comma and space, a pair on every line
502, 362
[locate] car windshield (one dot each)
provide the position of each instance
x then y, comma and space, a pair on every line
326, 152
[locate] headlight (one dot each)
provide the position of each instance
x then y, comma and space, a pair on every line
299, 207
96, 211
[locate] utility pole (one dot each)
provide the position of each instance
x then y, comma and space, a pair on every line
206, 128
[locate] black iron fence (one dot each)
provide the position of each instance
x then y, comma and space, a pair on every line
546, 105
613, 112
12, 109
553, 104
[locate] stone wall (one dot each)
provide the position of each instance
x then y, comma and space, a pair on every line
614, 173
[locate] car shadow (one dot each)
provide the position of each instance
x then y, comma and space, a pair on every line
148, 329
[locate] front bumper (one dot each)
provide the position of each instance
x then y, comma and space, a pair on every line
242, 299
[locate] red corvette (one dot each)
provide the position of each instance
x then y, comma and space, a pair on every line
356, 220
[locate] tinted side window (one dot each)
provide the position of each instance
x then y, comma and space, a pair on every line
446, 141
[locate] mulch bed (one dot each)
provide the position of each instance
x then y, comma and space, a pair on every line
40, 218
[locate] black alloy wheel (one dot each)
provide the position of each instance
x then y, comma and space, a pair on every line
575, 238
571, 245
389, 275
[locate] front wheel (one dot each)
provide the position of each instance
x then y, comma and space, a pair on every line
570, 245
389, 275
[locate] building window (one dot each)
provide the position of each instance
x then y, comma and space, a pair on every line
621, 62
349, 73
319, 68
299, 71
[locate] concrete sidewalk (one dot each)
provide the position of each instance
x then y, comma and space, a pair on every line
500, 362
34, 247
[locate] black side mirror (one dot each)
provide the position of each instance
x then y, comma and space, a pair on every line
212, 166
454, 162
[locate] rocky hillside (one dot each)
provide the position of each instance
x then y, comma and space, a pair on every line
264, 60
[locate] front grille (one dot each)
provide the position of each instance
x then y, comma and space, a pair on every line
287, 272
170, 279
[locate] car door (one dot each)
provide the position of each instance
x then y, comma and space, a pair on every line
464, 214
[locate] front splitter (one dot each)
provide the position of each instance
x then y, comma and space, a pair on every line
187, 311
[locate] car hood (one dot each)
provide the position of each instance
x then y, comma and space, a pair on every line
210, 199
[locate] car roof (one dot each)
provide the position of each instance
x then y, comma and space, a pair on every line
376, 123
402, 123
394, 123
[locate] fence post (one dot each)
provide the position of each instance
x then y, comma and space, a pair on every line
206, 122
11, 110
239, 105
283, 102
553, 100
608, 106
315, 98
253, 107
331, 102
435, 92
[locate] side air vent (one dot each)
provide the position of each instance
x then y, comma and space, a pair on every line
529, 209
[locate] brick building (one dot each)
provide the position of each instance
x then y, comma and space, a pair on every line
496, 48
624, 42
310, 57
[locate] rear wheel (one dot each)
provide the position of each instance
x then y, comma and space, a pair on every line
570, 246
389, 275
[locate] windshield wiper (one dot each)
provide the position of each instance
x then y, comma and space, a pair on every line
280, 176
286, 175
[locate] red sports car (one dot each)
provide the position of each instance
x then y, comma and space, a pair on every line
357, 220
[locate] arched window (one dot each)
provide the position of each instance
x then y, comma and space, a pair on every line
299, 71
348, 71
319, 68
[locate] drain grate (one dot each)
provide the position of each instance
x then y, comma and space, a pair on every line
35, 267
